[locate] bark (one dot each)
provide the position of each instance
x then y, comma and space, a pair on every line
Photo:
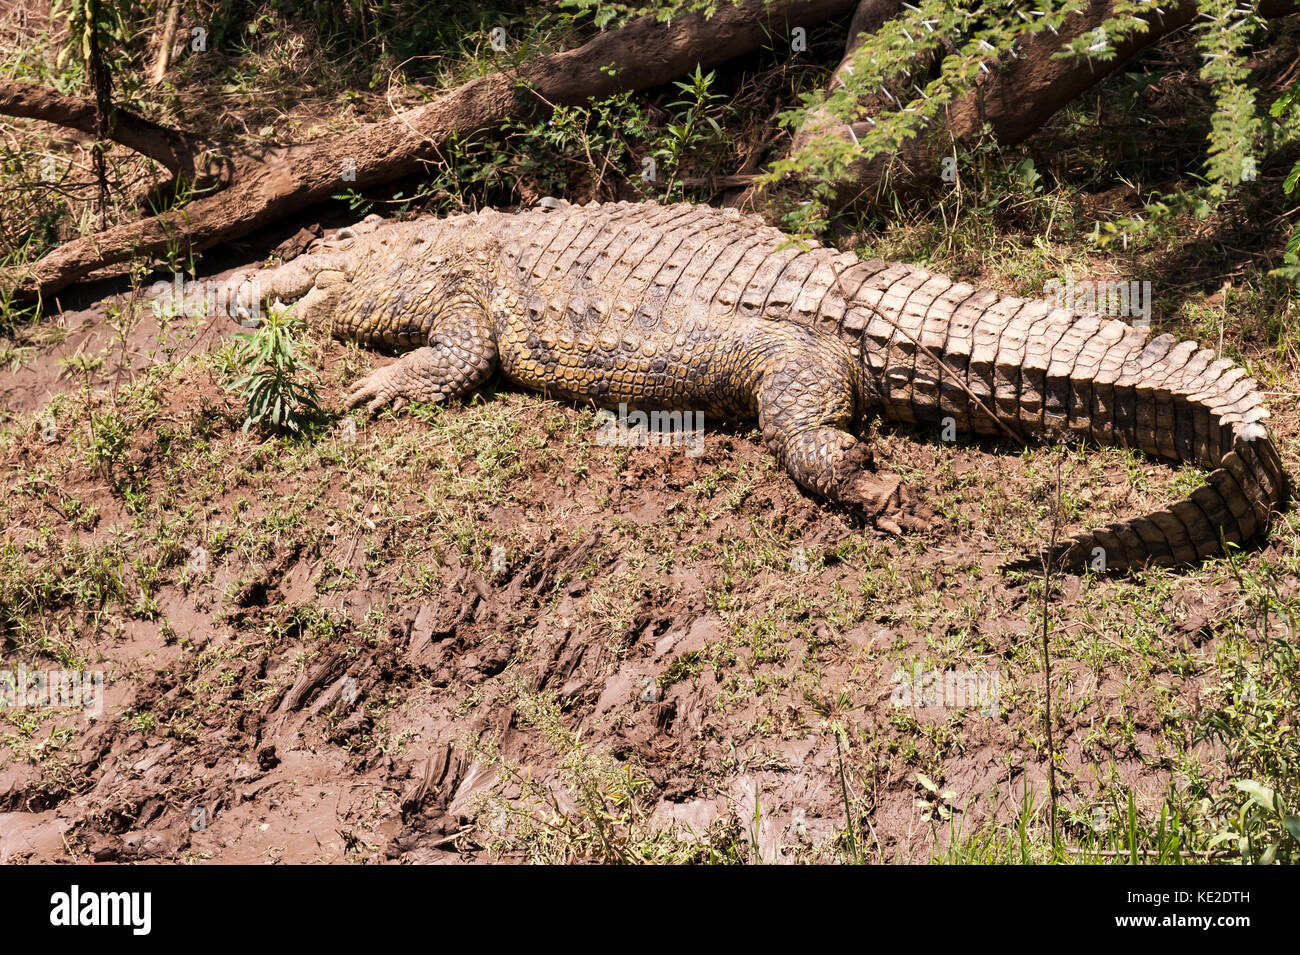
644, 54
867, 19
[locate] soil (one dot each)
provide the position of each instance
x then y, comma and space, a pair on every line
650, 598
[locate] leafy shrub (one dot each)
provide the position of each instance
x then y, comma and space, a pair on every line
277, 387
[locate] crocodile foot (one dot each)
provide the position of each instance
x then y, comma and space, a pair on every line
886, 502
381, 387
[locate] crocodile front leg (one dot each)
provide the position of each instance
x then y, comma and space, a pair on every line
460, 356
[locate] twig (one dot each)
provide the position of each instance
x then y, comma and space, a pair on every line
451, 838
164, 58
1048, 557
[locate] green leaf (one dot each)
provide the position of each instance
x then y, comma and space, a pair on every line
1262, 795
1293, 177
1222, 837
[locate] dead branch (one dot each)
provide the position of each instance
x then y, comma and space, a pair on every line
195, 158
163, 57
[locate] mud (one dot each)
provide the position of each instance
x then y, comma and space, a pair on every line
357, 687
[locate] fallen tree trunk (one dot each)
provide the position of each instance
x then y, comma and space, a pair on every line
1014, 100
287, 179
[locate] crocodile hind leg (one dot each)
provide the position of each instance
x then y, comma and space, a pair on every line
807, 402
460, 356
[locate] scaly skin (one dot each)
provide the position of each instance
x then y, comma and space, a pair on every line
687, 307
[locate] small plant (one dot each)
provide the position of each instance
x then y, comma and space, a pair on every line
693, 127
602, 817
1263, 830
1287, 109
110, 439
277, 387
935, 802
1254, 722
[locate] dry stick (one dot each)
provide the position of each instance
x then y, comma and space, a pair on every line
102, 82
164, 59
463, 830
1047, 658
182, 153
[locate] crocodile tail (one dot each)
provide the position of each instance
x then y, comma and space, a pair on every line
1234, 505
996, 364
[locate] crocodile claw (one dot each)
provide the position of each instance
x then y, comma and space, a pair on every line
391, 385
376, 389
886, 502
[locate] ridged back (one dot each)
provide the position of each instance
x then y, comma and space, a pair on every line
935, 349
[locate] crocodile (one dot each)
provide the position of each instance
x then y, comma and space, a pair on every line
690, 307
